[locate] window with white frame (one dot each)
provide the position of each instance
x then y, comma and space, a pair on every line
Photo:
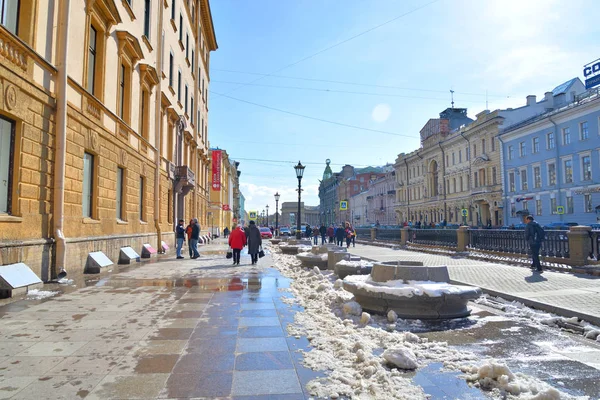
522, 149
536, 145
551, 174
493, 144
584, 132
511, 182
511, 153
568, 171
553, 205
550, 144
88, 185
494, 180
524, 185
587, 203
569, 209
513, 210
566, 133
586, 168
538, 207
537, 177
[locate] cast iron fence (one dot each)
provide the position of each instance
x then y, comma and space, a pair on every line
595, 237
363, 233
387, 234
556, 243
437, 237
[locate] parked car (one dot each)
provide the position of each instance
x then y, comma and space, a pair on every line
285, 232
563, 226
595, 227
265, 233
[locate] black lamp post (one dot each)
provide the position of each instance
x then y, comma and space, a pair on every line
299, 172
277, 195
262, 220
267, 207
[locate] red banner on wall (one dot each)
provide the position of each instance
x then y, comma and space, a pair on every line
216, 170
226, 207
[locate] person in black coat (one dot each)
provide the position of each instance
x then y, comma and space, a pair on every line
323, 232
254, 242
340, 235
534, 235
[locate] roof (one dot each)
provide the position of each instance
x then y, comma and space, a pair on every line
563, 87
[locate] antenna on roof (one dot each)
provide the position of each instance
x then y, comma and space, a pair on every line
452, 97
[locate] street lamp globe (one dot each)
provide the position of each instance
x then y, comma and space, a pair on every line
299, 170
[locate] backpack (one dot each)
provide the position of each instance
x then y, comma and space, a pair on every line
540, 233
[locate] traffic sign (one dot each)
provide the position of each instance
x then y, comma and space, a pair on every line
560, 210
343, 205
464, 212
252, 215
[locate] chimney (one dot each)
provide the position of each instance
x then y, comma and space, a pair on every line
549, 99
531, 99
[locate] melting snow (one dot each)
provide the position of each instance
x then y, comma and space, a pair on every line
36, 294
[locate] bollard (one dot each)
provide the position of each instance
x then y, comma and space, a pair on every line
404, 235
373, 234
463, 239
580, 245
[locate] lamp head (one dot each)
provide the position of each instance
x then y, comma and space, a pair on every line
277, 196
299, 170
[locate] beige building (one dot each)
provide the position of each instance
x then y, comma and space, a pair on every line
104, 110
224, 205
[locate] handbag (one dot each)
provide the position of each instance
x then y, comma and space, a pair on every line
261, 253
229, 253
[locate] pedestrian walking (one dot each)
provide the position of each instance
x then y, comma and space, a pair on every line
188, 233
180, 237
237, 241
254, 242
308, 231
323, 232
226, 232
330, 233
316, 233
348, 232
534, 235
340, 235
353, 236
195, 237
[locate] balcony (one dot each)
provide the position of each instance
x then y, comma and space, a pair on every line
185, 176
482, 189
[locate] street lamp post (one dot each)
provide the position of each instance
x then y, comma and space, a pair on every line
262, 220
267, 207
277, 213
299, 172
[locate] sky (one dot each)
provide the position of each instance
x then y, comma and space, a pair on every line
354, 81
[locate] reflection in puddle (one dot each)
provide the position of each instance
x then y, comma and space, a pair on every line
440, 384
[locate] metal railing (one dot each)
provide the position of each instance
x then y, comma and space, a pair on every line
437, 237
556, 243
595, 238
363, 233
387, 234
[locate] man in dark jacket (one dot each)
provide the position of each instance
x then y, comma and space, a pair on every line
254, 242
180, 237
340, 235
195, 237
534, 234
330, 233
323, 232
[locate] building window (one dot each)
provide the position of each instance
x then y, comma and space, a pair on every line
553, 205
522, 149
482, 146
447, 160
525, 205
537, 177
584, 132
586, 164
538, 207
192, 60
142, 205
524, 185
185, 100
124, 93
179, 86
587, 203
511, 182
7, 142
568, 171
513, 210
536, 145
566, 136
192, 110
511, 152
145, 114
474, 150
476, 179
181, 28
461, 183
494, 180
551, 174
91, 72
550, 140
459, 156
493, 144
187, 46
88, 185
569, 205
171, 69
10, 15
173, 9
454, 185
147, 18
120, 180
453, 159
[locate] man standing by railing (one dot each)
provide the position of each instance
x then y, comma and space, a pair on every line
534, 235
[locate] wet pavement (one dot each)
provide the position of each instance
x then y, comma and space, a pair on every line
205, 329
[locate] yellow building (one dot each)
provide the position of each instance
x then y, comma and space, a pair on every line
103, 126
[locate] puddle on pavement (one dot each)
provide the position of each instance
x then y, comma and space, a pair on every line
441, 384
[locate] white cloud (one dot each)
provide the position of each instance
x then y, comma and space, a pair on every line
381, 112
258, 196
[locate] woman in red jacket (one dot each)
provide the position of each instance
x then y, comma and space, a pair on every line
237, 241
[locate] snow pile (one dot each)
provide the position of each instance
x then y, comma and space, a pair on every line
362, 264
405, 289
401, 357
36, 294
502, 382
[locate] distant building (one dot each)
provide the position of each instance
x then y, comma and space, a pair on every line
551, 163
289, 211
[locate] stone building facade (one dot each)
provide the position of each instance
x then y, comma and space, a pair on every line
309, 214
104, 112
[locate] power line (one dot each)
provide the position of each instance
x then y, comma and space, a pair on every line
351, 83
314, 118
342, 91
301, 144
338, 44
292, 162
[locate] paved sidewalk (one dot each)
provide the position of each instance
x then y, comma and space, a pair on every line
561, 293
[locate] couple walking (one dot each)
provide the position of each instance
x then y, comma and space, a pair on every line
193, 234
238, 238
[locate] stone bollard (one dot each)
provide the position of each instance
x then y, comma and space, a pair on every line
404, 235
335, 256
463, 239
373, 234
580, 245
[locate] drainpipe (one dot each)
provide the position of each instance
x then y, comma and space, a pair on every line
557, 176
504, 192
61, 138
157, 128
444, 178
